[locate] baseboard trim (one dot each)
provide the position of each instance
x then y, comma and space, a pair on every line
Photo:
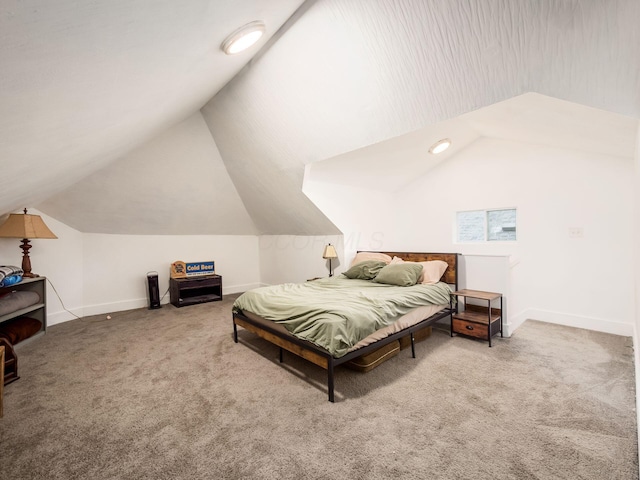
240, 288
512, 323
636, 361
102, 308
63, 316
570, 320
132, 304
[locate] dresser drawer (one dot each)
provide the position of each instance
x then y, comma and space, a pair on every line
472, 329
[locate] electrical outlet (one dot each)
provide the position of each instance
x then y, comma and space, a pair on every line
576, 232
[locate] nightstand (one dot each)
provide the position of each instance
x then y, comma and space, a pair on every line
476, 320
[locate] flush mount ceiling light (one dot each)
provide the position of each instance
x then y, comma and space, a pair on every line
243, 38
440, 146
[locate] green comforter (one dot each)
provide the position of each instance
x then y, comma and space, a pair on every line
336, 313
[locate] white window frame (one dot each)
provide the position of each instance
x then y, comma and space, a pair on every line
485, 228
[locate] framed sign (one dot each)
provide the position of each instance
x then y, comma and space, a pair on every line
182, 269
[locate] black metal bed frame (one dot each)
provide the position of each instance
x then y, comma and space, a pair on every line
332, 362
321, 357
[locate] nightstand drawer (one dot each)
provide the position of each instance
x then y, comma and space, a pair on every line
472, 329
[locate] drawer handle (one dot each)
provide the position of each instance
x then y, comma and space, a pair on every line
469, 327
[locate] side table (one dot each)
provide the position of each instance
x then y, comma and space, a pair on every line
478, 321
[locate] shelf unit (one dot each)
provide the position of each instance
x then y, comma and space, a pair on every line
37, 311
190, 291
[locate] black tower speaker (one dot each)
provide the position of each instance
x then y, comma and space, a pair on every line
154, 293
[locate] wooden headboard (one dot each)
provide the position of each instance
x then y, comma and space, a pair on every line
450, 275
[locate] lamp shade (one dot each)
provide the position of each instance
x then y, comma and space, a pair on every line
330, 252
20, 225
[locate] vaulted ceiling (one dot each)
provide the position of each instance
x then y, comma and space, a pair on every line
95, 93
82, 83
529, 119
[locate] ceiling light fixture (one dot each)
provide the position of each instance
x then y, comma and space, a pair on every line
440, 146
243, 38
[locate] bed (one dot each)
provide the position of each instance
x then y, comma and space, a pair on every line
410, 318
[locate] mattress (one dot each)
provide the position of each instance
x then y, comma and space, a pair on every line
337, 314
405, 321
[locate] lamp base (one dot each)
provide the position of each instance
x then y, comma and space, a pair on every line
26, 261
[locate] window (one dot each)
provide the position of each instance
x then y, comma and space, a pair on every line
486, 226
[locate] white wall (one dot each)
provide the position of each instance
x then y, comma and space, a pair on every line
490, 273
115, 266
361, 214
585, 282
296, 258
174, 184
59, 260
636, 225
193, 196
101, 273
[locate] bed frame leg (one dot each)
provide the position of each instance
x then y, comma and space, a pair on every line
281, 355
413, 346
235, 332
330, 380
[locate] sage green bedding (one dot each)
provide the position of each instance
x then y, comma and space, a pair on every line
336, 313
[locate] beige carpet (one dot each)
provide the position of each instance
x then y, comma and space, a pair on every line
166, 394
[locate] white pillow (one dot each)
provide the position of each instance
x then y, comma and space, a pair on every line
364, 256
432, 271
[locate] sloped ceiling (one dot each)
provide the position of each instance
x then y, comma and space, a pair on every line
531, 119
175, 184
351, 73
345, 74
84, 82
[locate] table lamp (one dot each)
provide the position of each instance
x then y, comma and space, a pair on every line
26, 227
329, 254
